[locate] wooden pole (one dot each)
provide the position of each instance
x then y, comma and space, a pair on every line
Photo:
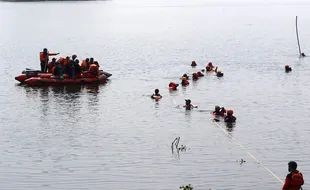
298, 38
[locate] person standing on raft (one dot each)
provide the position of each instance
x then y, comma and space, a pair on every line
294, 180
44, 57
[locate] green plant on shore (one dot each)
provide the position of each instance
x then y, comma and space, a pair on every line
187, 187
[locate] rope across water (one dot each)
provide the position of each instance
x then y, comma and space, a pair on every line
274, 175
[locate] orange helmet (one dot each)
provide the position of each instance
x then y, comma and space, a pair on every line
230, 112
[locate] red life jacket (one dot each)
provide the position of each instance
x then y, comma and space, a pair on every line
188, 107
43, 57
297, 181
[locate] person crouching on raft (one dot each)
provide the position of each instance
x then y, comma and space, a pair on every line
230, 118
188, 105
193, 64
85, 64
184, 81
51, 65
58, 70
294, 180
156, 94
287, 68
173, 86
92, 72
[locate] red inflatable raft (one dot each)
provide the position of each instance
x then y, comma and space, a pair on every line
54, 81
28, 73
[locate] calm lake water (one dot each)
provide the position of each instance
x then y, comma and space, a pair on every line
114, 136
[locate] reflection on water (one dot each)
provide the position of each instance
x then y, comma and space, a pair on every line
230, 126
67, 99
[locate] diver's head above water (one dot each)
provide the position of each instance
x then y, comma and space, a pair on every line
287, 68
219, 74
188, 102
185, 75
156, 91
292, 166
230, 112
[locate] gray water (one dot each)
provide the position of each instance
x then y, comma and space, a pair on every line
114, 136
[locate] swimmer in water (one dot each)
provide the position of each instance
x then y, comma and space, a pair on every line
200, 74
195, 76
219, 111
209, 67
173, 86
188, 105
230, 118
156, 94
193, 64
186, 76
287, 68
184, 81
223, 112
218, 73
210, 64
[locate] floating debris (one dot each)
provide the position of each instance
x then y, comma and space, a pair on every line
175, 144
241, 161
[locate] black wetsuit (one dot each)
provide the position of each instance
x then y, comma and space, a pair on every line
230, 119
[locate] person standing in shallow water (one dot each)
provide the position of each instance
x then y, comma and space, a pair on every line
294, 180
156, 94
229, 118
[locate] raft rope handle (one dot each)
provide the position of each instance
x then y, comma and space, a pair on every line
274, 175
